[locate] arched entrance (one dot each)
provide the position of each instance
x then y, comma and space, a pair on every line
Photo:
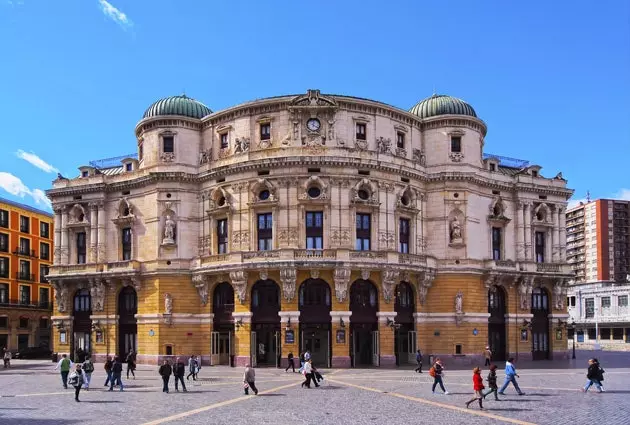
540, 324
265, 337
81, 323
315, 320
223, 325
127, 323
405, 334
364, 339
497, 338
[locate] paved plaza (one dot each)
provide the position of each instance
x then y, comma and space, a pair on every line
32, 394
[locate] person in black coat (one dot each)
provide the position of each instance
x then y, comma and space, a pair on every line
593, 375
492, 383
291, 363
165, 372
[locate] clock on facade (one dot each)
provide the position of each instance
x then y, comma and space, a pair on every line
313, 124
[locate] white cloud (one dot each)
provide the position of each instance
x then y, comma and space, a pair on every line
623, 194
575, 202
33, 159
15, 186
115, 14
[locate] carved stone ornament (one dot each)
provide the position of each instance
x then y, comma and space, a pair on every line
201, 283
263, 275
360, 145
456, 231
419, 157
224, 153
314, 274
401, 152
341, 277
365, 274
389, 278
459, 302
241, 145
167, 157
559, 291
524, 290
424, 284
239, 282
205, 156
168, 303
61, 296
456, 156
97, 294
383, 145
169, 231
288, 277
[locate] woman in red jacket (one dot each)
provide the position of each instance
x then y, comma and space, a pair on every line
478, 387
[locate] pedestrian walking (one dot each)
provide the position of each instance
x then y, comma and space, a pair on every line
593, 376
315, 375
6, 357
179, 370
307, 355
117, 369
131, 364
64, 365
291, 363
301, 361
601, 373
192, 368
77, 379
165, 372
419, 362
492, 383
249, 380
88, 368
477, 388
437, 372
109, 364
510, 376
308, 374
487, 353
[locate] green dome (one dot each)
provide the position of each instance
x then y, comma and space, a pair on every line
440, 104
177, 105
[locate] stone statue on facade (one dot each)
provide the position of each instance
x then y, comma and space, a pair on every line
169, 231
97, 292
61, 296
459, 303
558, 294
168, 303
456, 230
523, 291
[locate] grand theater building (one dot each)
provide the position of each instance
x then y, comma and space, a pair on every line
354, 229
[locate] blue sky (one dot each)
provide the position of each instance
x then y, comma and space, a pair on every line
551, 79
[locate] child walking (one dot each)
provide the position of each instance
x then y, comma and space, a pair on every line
492, 383
477, 387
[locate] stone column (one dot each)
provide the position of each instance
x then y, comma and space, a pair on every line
423, 219
520, 237
100, 246
387, 356
57, 240
556, 234
93, 233
340, 339
64, 236
563, 235
528, 232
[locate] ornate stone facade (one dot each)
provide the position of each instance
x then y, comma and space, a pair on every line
414, 235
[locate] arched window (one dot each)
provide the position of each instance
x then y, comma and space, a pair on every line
404, 295
223, 296
127, 301
82, 301
265, 294
540, 300
314, 293
363, 294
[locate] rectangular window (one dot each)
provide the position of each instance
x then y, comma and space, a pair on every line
140, 152
604, 333
4, 218
23, 323
622, 301
25, 294
44, 297
589, 307
126, 244
496, 243
265, 231
361, 131
4, 267
44, 251
403, 235
168, 144
456, 144
129, 166
605, 302
222, 236
43, 272
43, 323
592, 335
572, 301
81, 248
4, 242
265, 131
540, 247
25, 270
44, 230
224, 140
617, 333
4, 322
25, 224
493, 167
400, 140
364, 232
4, 293
25, 246
314, 230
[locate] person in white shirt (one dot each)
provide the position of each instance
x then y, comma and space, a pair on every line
308, 374
65, 366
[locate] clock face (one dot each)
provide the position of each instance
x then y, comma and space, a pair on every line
313, 124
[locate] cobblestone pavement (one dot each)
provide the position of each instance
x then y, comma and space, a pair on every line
31, 394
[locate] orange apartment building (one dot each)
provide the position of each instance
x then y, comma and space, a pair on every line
26, 252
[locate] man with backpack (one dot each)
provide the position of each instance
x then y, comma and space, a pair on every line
437, 373
117, 369
64, 365
77, 379
88, 368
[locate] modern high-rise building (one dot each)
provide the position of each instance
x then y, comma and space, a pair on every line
26, 251
598, 240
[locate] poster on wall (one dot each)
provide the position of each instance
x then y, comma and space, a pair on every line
558, 334
289, 337
62, 337
99, 337
341, 336
523, 335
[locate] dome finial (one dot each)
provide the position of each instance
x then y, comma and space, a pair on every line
434, 92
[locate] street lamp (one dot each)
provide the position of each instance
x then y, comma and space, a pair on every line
572, 327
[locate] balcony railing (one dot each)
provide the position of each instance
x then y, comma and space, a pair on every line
43, 305
25, 276
24, 252
4, 248
314, 253
548, 267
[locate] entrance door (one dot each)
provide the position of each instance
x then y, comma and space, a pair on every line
22, 341
4, 341
411, 338
82, 341
497, 335
214, 348
353, 349
253, 349
277, 349
317, 343
224, 348
540, 324
496, 341
376, 356
129, 341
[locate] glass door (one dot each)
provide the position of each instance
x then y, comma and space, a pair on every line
253, 349
411, 338
375, 349
214, 348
